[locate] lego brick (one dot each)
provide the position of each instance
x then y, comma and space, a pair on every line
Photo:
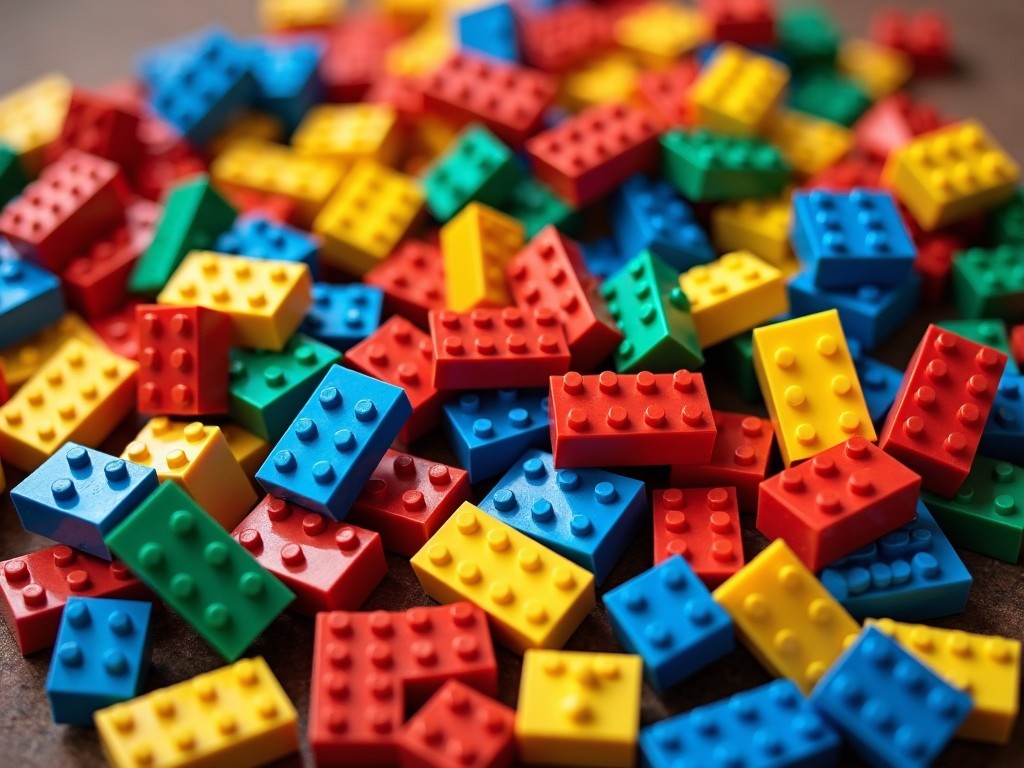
610, 77
706, 166
810, 385
329, 452
771, 725
910, 726
101, 126
579, 708
249, 450
12, 176
934, 264
758, 226
266, 300
401, 354
829, 94
287, 78
259, 237
785, 617
737, 91
477, 245
33, 116
665, 94
590, 154
458, 727
848, 239
733, 294
36, 587
30, 300
236, 715
536, 206
367, 655
810, 144
990, 283
510, 100
658, 34
329, 566
101, 657
412, 279
892, 123
879, 70
565, 36
279, 15
739, 459
348, 132
21, 361
923, 35
116, 331
748, 22
354, 54
989, 333
343, 315
703, 526
1005, 223
808, 35
490, 30
852, 172
602, 258
653, 314
476, 557
936, 423
425, 49
1003, 437
586, 515
80, 393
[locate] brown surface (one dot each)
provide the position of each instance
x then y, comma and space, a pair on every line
94, 41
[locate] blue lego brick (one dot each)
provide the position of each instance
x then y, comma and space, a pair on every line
879, 381
771, 726
852, 238
287, 76
870, 314
79, 495
588, 515
648, 214
1003, 437
261, 238
910, 574
206, 87
489, 430
343, 315
890, 708
335, 442
30, 299
603, 257
668, 617
490, 30
156, 63
101, 657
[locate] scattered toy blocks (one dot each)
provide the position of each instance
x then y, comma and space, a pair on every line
412, 279
260, 237
30, 300
990, 283
346, 133
738, 90
343, 315
922, 35
703, 526
710, 167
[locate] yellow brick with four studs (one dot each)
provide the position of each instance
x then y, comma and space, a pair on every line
738, 91
810, 144
349, 132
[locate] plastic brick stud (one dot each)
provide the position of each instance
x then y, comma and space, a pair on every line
412, 279
579, 709
258, 236
30, 300
988, 333
343, 315
101, 657
737, 91
703, 526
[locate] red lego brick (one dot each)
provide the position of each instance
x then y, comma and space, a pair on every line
837, 502
588, 155
355, 53
936, 422
183, 359
412, 279
35, 587
1017, 344
508, 99
407, 499
403, 92
73, 202
747, 22
565, 37
401, 354
852, 172
550, 272
923, 35
153, 176
5, 392
458, 727
330, 566
118, 331
934, 263
892, 123
702, 525
96, 282
492, 348
249, 202
644, 419
740, 458
665, 94
369, 667
100, 125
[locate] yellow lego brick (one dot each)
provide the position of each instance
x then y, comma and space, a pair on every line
810, 144
985, 666
233, 717
349, 132
658, 34
759, 226
198, 459
950, 174
737, 91
428, 138
602, 80
579, 708
273, 169
33, 116
21, 361
367, 217
535, 597
279, 15
733, 294
266, 300
809, 384
412, 13
477, 245
785, 617
249, 450
80, 393
250, 126
879, 70
421, 52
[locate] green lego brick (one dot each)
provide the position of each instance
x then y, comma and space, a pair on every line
988, 331
12, 175
987, 513
653, 314
809, 36
536, 206
194, 565
705, 166
1006, 223
827, 94
476, 167
194, 216
266, 389
990, 282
